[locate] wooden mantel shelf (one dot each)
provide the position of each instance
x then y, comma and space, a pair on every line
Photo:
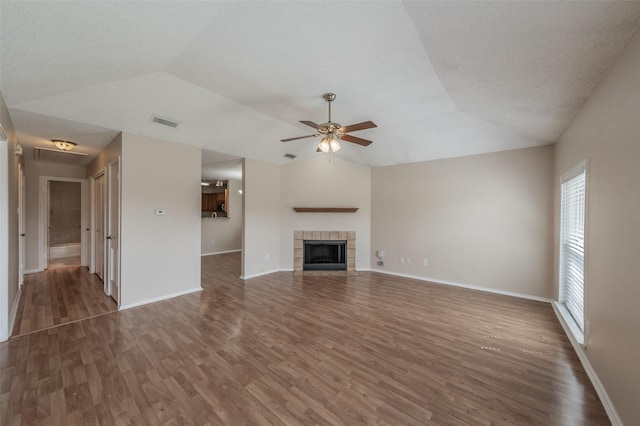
326, 209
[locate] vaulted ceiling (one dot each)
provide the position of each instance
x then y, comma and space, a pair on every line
440, 79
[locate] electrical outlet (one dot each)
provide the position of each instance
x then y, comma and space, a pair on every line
408, 261
425, 262
402, 260
267, 256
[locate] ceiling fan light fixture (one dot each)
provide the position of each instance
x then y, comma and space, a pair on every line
324, 145
63, 145
331, 130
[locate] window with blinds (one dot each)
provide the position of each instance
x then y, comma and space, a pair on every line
572, 221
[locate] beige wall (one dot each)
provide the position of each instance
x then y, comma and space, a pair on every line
316, 182
109, 154
225, 232
261, 234
8, 224
606, 132
482, 220
160, 255
33, 171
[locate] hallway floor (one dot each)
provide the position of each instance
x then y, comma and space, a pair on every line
60, 296
64, 262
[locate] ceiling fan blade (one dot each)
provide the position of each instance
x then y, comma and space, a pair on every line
299, 137
354, 139
359, 126
310, 124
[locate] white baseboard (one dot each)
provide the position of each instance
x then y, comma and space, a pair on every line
220, 252
13, 313
595, 380
32, 271
468, 286
248, 277
160, 298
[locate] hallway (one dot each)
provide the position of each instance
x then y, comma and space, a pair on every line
60, 296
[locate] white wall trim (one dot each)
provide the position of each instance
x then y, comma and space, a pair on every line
220, 252
14, 310
595, 380
467, 286
248, 277
160, 298
32, 271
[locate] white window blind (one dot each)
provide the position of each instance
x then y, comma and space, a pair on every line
572, 220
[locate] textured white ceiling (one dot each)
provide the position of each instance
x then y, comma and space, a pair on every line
216, 165
440, 79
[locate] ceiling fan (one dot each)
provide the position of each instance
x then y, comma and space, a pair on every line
331, 131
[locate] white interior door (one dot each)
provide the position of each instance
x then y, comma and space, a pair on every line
99, 240
21, 232
113, 230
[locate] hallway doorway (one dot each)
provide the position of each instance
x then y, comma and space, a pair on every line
62, 220
65, 224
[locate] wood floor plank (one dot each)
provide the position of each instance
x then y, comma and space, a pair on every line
290, 349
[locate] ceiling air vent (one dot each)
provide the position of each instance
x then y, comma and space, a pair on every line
164, 121
291, 156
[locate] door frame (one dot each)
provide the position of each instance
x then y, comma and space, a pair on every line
93, 218
108, 208
93, 223
43, 221
4, 240
21, 224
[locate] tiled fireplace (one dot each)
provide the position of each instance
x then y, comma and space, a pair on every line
299, 237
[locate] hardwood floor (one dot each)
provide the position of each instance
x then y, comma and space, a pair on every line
64, 262
303, 350
59, 296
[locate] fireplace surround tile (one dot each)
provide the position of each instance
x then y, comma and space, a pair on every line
298, 248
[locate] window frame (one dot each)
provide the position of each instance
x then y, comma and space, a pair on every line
581, 335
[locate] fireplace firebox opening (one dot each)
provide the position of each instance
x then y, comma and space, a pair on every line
325, 255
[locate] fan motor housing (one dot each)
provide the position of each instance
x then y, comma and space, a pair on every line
329, 97
329, 127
